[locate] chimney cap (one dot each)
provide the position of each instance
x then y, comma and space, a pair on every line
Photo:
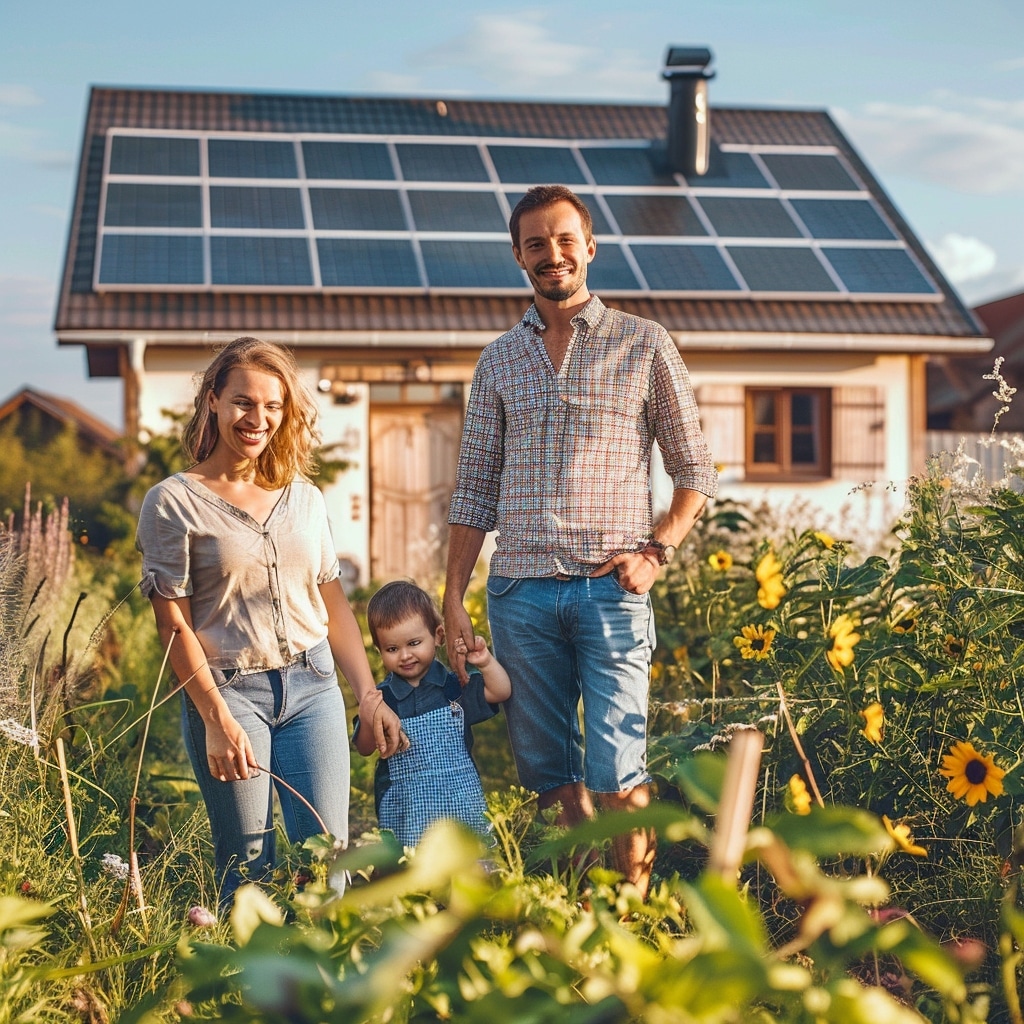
689, 61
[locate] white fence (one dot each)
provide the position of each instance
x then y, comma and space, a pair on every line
995, 454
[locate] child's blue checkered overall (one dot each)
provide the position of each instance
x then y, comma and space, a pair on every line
435, 778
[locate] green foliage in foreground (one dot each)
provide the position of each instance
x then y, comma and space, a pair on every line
862, 673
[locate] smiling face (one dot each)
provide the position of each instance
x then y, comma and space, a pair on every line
554, 251
407, 648
248, 412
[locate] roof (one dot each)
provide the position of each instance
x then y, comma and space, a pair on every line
64, 410
91, 309
960, 383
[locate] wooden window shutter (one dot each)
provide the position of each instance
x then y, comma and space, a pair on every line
858, 433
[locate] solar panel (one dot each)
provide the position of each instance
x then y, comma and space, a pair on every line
882, 271
729, 170
682, 268
842, 218
251, 158
536, 165
619, 166
152, 259
749, 218
440, 162
597, 217
359, 161
809, 171
628, 189
610, 272
132, 154
235, 206
356, 209
471, 265
367, 263
456, 211
252, 260
781, 269
136, 205
655, 215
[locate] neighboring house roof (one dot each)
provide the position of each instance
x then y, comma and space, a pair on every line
959, 393
826, 256
62, 411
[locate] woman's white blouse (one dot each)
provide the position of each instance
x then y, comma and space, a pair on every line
252, 587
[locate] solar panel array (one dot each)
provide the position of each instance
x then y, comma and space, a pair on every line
207, 210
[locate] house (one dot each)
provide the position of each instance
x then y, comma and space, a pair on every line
369, 235
39, 417
961, 387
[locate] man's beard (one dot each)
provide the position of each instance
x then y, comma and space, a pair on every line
558, 292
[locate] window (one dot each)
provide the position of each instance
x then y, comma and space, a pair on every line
788, 433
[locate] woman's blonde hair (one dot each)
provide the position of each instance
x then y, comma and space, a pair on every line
290, 451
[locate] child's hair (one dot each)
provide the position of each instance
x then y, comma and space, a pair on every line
397, 601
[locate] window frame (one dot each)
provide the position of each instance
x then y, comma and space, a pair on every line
783, 431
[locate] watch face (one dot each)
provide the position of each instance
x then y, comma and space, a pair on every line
668, 552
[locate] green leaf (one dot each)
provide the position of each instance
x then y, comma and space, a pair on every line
831, 831
722, 919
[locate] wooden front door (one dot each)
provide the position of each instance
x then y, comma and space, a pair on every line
414, 451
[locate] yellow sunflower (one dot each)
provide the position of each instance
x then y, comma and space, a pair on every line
798, 797
825, 539
769, 575
756, 642
900, 835
844, 639
972, 775
720, 561
873, 716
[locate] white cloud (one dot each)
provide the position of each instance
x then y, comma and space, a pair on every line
26, 301
19, 96
976, 150
962, 258
392, 82
23, 144
1012, 64
519, 53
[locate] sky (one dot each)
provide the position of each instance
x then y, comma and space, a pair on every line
931, 93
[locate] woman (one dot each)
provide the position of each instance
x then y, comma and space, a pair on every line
240, 567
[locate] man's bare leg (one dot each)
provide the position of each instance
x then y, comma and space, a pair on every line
575, 804
632, 852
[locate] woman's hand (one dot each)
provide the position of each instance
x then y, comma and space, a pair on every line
228, 751
388, 736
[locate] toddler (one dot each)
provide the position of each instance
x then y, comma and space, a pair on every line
435, 777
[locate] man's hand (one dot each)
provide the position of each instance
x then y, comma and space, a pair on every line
636, 570
459, 637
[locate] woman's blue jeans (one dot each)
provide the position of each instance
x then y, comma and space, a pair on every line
295, 720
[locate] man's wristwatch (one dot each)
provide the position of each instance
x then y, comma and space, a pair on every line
665, 552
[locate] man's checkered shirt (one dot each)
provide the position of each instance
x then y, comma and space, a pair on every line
559, 463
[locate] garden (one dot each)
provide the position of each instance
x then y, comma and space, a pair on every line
878, 880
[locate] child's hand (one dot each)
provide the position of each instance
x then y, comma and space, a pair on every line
404, 743
479, 656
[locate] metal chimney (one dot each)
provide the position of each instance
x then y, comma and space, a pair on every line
689, 125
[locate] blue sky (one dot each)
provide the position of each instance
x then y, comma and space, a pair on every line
931, 93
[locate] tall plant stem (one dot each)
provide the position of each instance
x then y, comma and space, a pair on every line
134, 876
69, 811
799, 746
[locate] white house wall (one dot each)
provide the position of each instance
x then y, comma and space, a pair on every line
851, 507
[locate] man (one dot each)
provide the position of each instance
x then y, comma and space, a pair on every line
555, 456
